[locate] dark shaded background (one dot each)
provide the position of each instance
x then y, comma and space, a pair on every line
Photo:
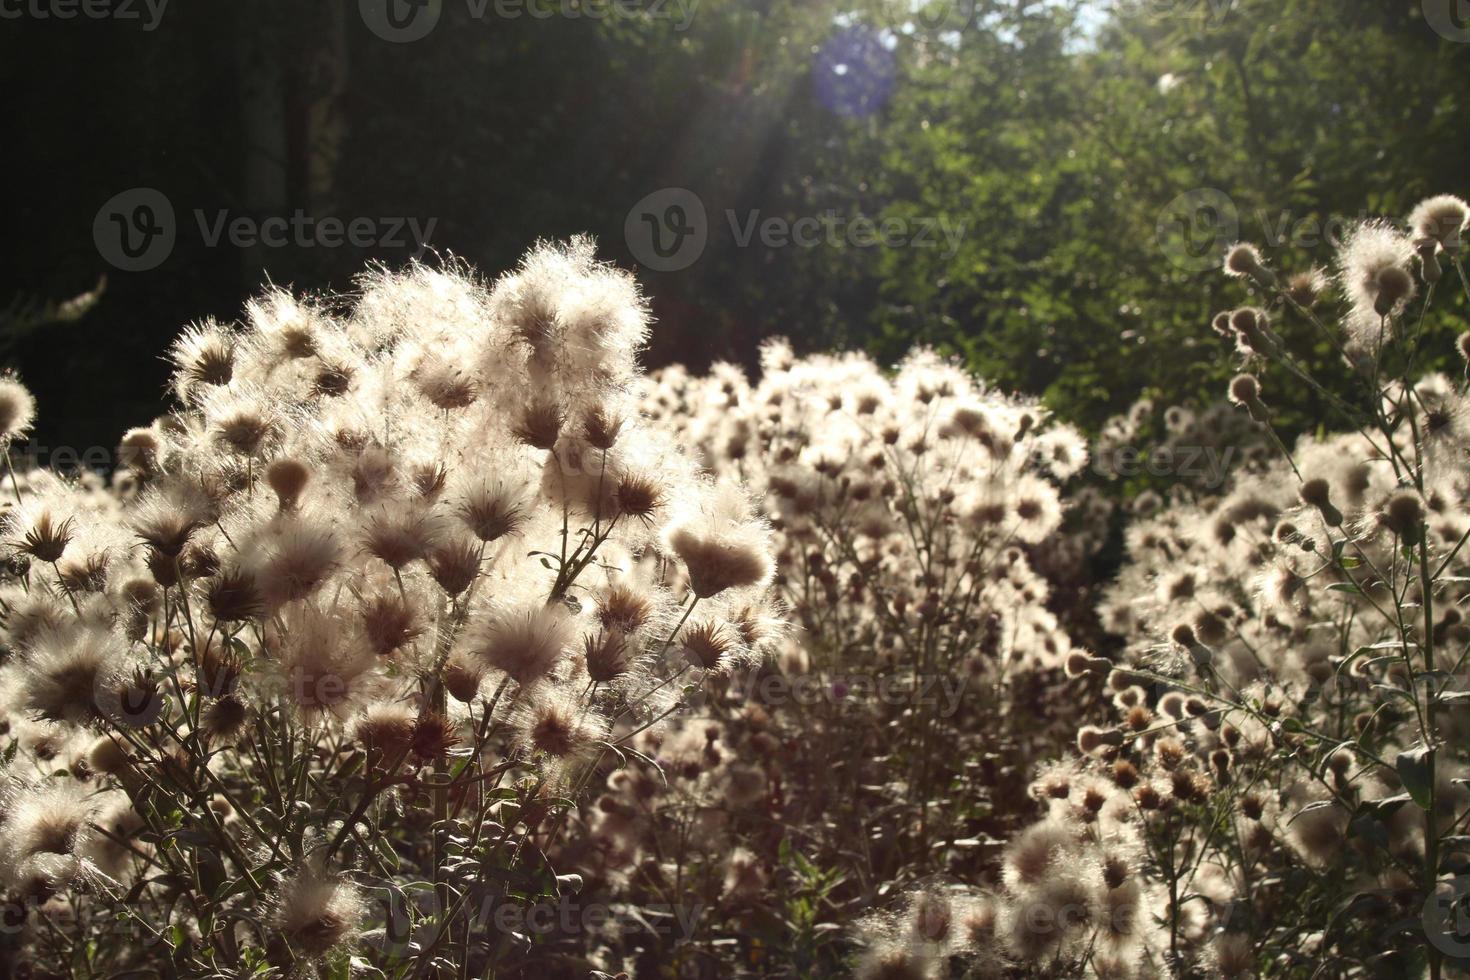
501, 131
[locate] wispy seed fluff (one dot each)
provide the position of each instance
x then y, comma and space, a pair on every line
565, 306
43, 822
1244, 259
553, 723
724, 545
17, 410
338, 542
68, 674
894, 960
316, 914
1438, 226
385, 729
491, 510
1245, 390
323, 667
204, 357
1306, 288
1440, 221
525, 642
1374, 269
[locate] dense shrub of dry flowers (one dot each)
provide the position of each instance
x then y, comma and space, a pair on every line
891, 734
1273, 780
315, 688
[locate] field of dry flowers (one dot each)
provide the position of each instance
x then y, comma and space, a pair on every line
429, 636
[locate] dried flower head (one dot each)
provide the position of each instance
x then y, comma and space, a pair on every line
1441, 220
316, 913
1374, 270
17, 410
524, 642
724, 547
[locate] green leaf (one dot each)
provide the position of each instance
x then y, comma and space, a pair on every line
1414, 767
1318, 805
1387, 807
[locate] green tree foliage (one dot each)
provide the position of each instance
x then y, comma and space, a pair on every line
1064, 149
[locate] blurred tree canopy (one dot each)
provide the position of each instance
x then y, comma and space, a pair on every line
1089, 157
1298, 115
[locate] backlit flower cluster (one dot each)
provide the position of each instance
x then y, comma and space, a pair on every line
386, 556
